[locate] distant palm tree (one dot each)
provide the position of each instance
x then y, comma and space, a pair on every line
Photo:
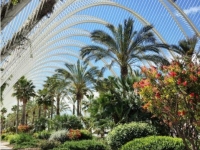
3, 111
81, 79
187, 47
56, 88
24, 90
124, 46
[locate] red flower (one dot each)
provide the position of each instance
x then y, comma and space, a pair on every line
192, 94
184, 83
179, 81
172, 74
158, 75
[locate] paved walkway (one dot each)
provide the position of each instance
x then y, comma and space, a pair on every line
4, 146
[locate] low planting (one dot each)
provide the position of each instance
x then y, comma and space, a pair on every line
82, 145
48, 145
127, 132
155, 143
60, 136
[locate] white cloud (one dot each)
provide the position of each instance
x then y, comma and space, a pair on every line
189, 11
192, 10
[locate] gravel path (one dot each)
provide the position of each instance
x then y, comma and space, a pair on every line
4, 146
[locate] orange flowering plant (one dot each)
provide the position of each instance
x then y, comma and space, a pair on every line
172, 93
74, 134
23, 128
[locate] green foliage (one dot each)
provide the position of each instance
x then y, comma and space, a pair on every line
85, 135
82, 145
30, 144
41, 124
21, 138
14, 2
126, 132
47, 145
3, 136
44, 135
60, 136
155, 143
67, 122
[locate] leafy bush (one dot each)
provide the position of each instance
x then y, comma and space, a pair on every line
20, 138
60, 136
85, 135
3, 136
127, 132
82, 145
155, 143
30, 144
47, 145
12, 138
44, 135
41, 124
67, 122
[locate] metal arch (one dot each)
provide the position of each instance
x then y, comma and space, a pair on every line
185, 17
38, 73
108, 3
117, 5
18, 65
17, 76
172, 15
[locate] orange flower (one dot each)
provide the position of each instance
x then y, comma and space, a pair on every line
144, 82
181, 113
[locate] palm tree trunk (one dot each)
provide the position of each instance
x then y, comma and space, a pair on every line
124, 71
39, 112
78, 107
58, 105
17, 118
73, 109
23, 112
33, 120
51, 109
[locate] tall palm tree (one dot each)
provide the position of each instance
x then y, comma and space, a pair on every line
3, 111
81, 79
24, 90
124, 46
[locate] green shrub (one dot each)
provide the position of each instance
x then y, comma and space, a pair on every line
67, 122
44, 135
60, 136
127, 132
30, 144
3, 136
24, 138
85, 135
12, 138
47, 145
82, 145
155, 143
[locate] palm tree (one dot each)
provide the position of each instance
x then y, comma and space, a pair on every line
81, 79
24, 90
186, 47
56, 88
124, 46
3, 111
2, 89
44, 99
